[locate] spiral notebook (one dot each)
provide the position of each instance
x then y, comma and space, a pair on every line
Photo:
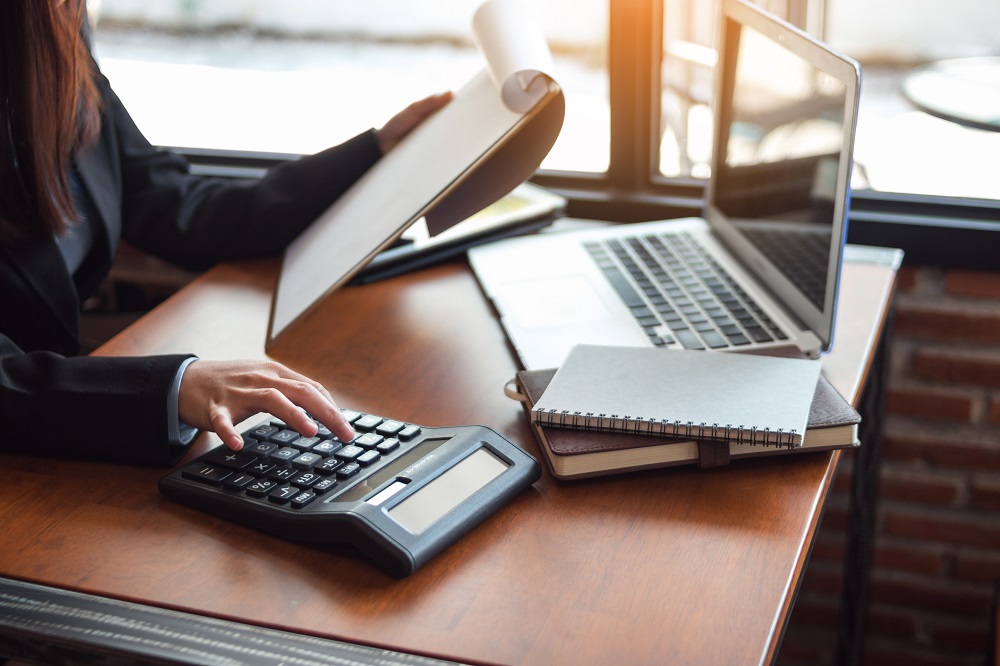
580, 454
682, 394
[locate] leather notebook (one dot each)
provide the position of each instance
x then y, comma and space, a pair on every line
575, 453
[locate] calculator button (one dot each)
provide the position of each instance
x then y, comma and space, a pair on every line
283, 494
262, 450
284, 454
201, 472
388, 446
350, 415
368, 422
261, 468
264, 432
306, 460
327, 448
324, 485
283, 474
390, 428
306, 479
224, 457
345, 442
409, 432
305, 443
323, 432
368, 457
303, 498
239, 481
348, 470
369, 440
285, 437
328, 466
261, 487
349, 452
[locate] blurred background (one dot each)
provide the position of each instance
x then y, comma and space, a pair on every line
296, 76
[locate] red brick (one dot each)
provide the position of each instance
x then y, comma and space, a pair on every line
906, 278
985, 494
816, 612
938, 323
953, 368
905, 448
834, 518
829, 547
825, 580
844, 478
804, 647
918, 488
891, 623
977, 567
940, 596
909, 558
902, 654
929, 404
978, 284
953, 454
955, 528
964, 635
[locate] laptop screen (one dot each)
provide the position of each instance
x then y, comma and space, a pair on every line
784, 137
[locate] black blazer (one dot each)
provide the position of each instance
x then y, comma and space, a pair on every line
115, 408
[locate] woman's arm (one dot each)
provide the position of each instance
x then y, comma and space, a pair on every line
195, 221
96, 408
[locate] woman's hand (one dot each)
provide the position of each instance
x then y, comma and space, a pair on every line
216, 395
404, 121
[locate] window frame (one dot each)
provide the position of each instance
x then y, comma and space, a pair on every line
931, 230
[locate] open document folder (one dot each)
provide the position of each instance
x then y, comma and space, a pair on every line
487, 140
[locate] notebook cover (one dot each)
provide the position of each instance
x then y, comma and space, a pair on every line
829, 409
743, 398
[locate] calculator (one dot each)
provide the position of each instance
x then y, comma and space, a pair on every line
398, 492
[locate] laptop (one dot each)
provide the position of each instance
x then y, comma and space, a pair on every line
760, 269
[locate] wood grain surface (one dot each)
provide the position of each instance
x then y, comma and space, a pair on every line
677, 566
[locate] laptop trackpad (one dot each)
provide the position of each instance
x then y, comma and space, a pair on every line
553, 302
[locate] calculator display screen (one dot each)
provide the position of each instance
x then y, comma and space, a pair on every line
423, 508
421, 451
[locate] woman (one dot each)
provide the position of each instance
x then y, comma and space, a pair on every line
76, 175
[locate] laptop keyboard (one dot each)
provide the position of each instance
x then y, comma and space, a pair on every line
802, 256
679, 294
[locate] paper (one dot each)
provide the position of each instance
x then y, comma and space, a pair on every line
487, 140
517, 56
682, 393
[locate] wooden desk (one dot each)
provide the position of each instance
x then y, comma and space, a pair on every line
680, 565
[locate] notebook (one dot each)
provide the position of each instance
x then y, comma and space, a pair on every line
577, 454
740, 398
760, 269
488, 139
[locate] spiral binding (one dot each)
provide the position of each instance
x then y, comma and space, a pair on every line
625, 423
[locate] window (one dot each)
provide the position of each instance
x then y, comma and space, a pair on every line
241, 83
298, 76
927, 144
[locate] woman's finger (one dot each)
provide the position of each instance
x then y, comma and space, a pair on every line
222, 425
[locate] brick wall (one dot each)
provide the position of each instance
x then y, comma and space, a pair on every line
937, 544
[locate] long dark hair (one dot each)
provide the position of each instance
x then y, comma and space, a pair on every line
49, 108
